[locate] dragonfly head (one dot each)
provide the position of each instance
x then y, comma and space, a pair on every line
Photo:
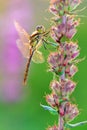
40, 28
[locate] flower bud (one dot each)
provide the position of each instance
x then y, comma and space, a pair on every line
53, 59
75, 54
56, 59
67, 87
71, 70
63, 88
55, 86
52, 99
71, 111
71, 50
67, 28
61, 111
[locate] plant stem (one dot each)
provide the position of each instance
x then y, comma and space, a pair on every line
60, 123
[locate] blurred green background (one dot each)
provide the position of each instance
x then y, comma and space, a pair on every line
20, 106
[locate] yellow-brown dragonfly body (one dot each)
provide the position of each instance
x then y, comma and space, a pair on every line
29, 45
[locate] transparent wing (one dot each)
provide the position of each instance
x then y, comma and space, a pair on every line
24, 36
38, 57
24, 48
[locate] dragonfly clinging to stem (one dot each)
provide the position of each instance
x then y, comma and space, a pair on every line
29, 45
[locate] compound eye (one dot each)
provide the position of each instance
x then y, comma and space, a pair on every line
40, 28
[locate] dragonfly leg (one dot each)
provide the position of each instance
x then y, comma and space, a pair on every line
48, 42
44, 41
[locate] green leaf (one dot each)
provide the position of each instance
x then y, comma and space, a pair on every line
76, 124
50, 109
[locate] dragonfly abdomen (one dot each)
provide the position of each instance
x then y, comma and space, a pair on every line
27, 68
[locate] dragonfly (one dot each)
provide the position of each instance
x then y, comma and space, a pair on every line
29, 45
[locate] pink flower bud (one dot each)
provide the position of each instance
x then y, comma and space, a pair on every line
67, 87
53, 9
61, 111
52, 100
59, 61
63, 88
55, 86
71, 47
71, 111
75, 54
70, 33
71, 70
56, 32
71, 50
55, 59
67, 28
